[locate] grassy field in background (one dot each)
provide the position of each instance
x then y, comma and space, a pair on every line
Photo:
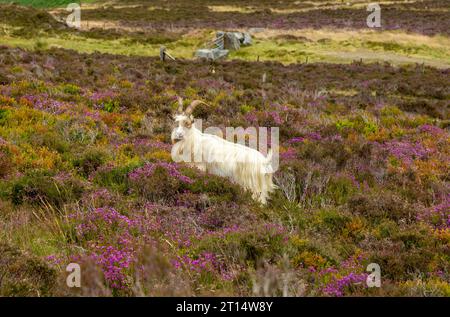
45, 3
315, 46
300, 45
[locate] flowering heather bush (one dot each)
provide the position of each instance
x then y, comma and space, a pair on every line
148, 170
99, 198
41, 186
114, 263
147, 180
406, 151
45, 103
438, 215
105, 100
288, 154
107, 235
145, 145
205, 262
338, 285
432, 130
338, 280
105, 218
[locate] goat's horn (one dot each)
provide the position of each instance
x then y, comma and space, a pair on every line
192, 106
180, 105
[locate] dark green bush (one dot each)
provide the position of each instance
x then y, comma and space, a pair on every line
115, 178
6, 165
38, 186
24, 275
90, 161
381, 205
219, 188
249, 248
333, 220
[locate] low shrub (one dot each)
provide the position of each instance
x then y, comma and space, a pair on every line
90, 160
24, 275
38, 186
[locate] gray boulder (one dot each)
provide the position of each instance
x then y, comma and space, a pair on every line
247, 39
231, 41
211, 54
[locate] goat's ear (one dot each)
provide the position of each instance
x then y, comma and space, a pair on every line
191, 117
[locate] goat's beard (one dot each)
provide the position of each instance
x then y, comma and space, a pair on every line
174, 141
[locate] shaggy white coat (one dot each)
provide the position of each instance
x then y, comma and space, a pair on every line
210, 153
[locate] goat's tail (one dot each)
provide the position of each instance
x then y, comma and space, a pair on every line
269, 156
270, 172
268, 169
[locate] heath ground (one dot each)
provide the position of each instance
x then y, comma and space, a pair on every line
86, 174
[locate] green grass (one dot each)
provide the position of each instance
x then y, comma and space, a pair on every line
282, 50
45, 3
344, 47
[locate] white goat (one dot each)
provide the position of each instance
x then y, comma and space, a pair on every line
210, 153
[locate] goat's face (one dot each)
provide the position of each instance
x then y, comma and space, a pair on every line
183, 125
184, 121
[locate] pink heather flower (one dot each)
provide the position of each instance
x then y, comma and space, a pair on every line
406, 151
205, 262
438, 215
224, 231
296, 140
289, 154
276, 117
251, 117
114, 263
53, 259
93, 114
45, 103
338, 285
146, 143
107, 168
99, 97
106, 215
334, 138
100, 197
431, 129
315, 136
148, 169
